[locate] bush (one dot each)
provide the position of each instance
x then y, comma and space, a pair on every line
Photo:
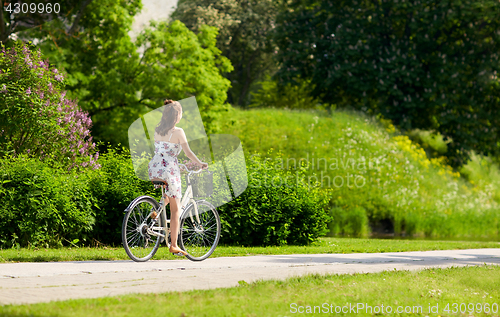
41, 205
272, 213
37, 119
49, 206
114, 186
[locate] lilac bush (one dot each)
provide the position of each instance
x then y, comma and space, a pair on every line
37, 118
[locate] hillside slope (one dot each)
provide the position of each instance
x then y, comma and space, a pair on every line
381, 180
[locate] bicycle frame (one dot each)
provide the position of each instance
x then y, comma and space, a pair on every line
161, 212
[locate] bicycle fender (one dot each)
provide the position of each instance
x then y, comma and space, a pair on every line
136, 199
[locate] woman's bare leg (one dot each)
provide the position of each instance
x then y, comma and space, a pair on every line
174, 223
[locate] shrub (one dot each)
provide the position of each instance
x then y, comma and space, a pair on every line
37, 119
272, 213
114, 186
42, 205
51, 206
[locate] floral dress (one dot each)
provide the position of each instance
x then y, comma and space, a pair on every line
164, 165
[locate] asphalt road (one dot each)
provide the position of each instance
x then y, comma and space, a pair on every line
42, 282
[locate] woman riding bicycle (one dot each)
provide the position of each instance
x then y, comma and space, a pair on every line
169, 142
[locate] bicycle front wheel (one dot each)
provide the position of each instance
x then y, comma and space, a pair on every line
199, 232
140, 244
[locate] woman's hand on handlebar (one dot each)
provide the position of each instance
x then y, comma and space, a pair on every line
203, 165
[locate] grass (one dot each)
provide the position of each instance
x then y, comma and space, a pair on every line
324, 245
408, 290
377, 174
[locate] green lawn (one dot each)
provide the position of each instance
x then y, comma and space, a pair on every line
476, 287
324, 245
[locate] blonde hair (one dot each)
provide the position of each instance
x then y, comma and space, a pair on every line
171, 114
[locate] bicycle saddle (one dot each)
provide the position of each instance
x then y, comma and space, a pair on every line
157, 181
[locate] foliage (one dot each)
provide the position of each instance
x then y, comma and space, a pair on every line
422, 64
46, 205
179, 64
13, 20
113, 187
484, 173
277, 208
433, 143
37, 117
370, 165
288, 97
351, 221
243, 37
116, 79
42, 205
99, 59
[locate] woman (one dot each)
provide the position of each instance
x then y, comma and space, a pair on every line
169, 141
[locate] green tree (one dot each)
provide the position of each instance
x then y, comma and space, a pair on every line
114, 82
244, 27
270, 94
18, 16
424, 64
178, 63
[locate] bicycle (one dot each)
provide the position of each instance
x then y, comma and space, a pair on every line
145, 225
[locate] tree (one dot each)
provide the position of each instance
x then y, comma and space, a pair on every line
291, 96
243, 37
18, 16
96, 58
423, 64
37, 119
115, 83
178, 63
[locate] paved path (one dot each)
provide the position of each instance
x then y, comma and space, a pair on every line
43, 282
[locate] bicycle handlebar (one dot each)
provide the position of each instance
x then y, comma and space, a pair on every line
192, 171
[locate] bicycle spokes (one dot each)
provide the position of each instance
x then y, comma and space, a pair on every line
200, 231
140, 240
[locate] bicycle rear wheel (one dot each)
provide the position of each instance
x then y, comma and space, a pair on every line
200, 235
137, 242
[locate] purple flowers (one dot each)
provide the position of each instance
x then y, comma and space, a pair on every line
57, 124
28, 61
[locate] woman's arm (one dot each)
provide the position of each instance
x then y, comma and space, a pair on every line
187, 150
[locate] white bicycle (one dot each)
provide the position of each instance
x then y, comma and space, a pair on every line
145, 225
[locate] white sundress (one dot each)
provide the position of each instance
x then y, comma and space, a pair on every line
164, 165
